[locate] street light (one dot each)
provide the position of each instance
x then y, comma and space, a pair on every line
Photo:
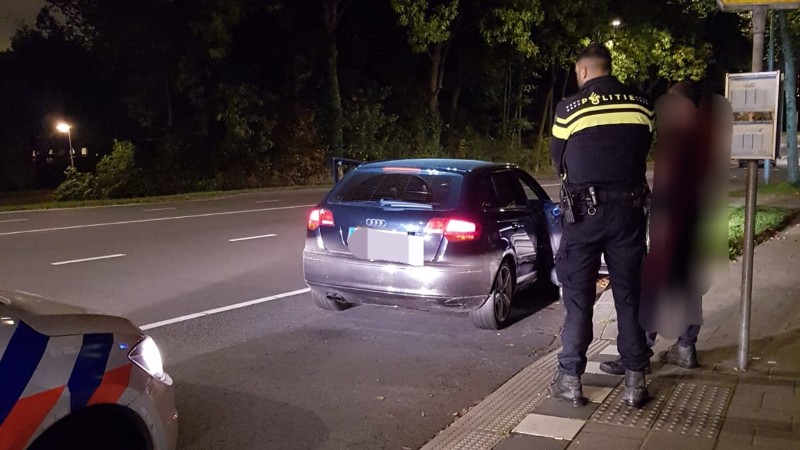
65, 128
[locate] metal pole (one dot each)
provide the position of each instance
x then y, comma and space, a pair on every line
759, 24
770, 67
71, 157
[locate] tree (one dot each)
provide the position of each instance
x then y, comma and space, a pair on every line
430, 30
331, 12
646, 55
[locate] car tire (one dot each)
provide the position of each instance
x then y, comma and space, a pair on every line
495, 311
331, 303
100, 427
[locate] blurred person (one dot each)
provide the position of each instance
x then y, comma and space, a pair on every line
601, 137
688, 230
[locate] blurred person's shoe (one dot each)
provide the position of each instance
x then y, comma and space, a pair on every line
635, 394
616, 368
568, 387
681, 355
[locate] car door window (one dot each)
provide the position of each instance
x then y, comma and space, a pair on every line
509, 190
533, 190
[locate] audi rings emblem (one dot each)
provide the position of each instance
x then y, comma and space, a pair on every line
376, 223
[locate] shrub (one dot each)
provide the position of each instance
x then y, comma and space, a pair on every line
76, 186
117, 174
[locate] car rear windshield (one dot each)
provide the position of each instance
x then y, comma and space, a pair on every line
437, 189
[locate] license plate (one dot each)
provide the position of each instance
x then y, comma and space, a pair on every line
385, 245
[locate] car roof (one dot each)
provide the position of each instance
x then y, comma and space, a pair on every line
445, 165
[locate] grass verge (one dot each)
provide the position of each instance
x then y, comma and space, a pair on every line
779, 189
769, 220
24, 201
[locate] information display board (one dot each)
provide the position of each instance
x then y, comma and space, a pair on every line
755, 99
739, 5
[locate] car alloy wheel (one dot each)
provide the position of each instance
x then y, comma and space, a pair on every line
502, 292
494, 312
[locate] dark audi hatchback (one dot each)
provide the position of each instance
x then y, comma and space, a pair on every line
430, 233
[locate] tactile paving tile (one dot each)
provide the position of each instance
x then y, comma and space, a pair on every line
695, 409
505, 408
614, 411
460, 439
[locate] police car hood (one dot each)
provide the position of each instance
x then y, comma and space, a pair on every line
54, 318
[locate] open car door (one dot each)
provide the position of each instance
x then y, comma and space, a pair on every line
340, 166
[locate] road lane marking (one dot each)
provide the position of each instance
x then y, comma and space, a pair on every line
252, 237
96, 258
157, 209
551, 185
267, 201
13, 220
158, 219
210, 312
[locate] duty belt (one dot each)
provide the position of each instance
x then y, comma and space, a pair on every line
591, 197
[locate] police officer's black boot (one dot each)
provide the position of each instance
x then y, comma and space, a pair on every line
568, 387
636, 394
681, 355
616, 368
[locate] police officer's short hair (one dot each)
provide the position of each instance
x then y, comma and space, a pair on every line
598, 52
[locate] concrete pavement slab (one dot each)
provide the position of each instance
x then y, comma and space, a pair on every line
596, 394
549, 426
526, 442
560, 408
600, 380
670, 441
595, 441
638, 434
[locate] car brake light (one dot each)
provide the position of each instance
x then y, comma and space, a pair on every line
402, 169
320, 217
454, 229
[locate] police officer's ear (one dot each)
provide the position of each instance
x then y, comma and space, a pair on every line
581, 72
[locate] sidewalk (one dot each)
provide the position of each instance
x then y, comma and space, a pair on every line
714, 407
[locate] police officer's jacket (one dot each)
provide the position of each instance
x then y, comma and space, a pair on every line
606, 130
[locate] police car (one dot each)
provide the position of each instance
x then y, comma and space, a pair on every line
74, 380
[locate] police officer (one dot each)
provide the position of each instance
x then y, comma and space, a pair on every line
601, 137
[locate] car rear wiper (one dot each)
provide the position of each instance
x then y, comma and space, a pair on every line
398, 204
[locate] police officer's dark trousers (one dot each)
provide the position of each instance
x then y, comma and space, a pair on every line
617, 229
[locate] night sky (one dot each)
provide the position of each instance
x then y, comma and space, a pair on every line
12, 12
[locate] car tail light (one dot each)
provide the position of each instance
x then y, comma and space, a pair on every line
320, 217
454, 229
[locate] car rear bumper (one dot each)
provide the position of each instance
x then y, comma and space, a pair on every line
433, 286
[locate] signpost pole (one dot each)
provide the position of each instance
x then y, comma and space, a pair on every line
770, 67
759, 25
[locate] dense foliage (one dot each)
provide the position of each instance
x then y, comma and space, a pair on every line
222, 94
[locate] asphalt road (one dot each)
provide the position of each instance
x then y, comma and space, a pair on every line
279, 372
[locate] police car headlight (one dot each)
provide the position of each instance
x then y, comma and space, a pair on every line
145, 354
